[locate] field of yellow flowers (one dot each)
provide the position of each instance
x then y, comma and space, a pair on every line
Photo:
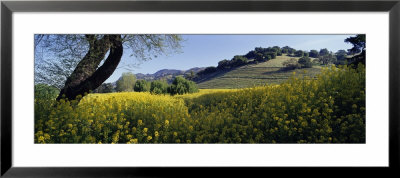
329, 109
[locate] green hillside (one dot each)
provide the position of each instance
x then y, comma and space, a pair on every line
256, 74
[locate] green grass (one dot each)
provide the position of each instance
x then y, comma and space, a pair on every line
257, 74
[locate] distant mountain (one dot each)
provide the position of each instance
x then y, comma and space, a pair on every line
167, 74
195, 69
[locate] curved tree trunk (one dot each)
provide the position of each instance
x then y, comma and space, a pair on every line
87, 76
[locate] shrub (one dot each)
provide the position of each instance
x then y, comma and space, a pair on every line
181, 86
278, 50
272, 55
259, 57
126, 82
238, 61
323, 52
316, 62
251, 54
207, 70
142, 86
299, 53
47, 92
327, 59
305, 62
291, 64
224, 64
341, 57
314, 53
158, 87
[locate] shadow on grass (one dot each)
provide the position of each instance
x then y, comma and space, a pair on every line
212, 76
280, 70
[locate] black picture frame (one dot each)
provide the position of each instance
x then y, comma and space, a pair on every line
8, 7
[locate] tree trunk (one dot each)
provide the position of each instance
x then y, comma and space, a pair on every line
87, 76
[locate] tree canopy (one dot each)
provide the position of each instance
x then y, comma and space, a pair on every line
323, 52
358, 49
341, 56
358, 43
126, 82
314, 53
142, 86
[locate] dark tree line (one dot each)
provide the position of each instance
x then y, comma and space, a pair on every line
259, 54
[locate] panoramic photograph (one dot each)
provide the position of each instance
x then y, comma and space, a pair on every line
199, 88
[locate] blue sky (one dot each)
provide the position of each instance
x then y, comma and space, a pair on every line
207, 50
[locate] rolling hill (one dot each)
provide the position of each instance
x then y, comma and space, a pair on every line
255, 74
